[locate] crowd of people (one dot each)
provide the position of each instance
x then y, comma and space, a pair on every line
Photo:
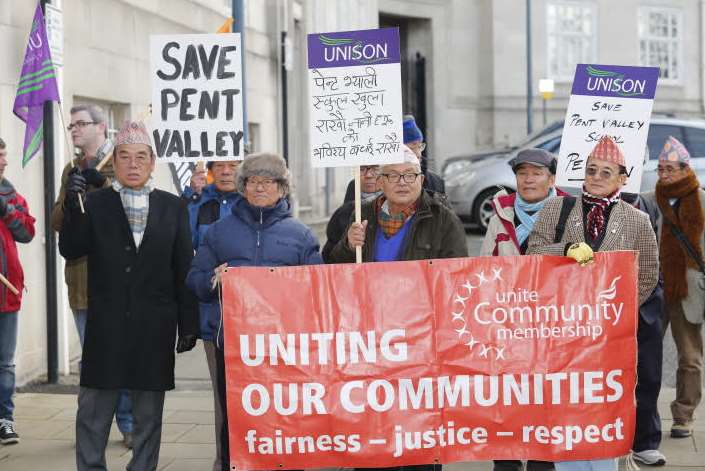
143, 266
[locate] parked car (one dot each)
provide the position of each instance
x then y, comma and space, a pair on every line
472, 181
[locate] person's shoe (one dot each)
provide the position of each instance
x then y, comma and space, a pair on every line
681, 429
649, 457
8, 434
127, 440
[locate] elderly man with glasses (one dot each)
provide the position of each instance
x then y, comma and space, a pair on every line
405, 222
598, 220
680, 225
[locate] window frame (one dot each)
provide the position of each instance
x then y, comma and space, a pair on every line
644, 11
593, 36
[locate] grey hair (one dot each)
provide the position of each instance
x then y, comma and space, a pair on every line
264, 165
96, 113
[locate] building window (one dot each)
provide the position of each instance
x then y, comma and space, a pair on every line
571, 37
660, 41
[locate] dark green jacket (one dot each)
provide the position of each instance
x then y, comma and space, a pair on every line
435, 232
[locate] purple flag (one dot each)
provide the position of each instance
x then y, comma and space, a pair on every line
37, 85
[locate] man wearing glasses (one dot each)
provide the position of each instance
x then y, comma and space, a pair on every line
680, 226
404, 222
414, 140
89, 134
598, 221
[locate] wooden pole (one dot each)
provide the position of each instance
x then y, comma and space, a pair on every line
9, 285
358, 210
103, 161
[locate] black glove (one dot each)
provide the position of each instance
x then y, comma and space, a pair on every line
3, 207
94, 177
186, 343
75, 186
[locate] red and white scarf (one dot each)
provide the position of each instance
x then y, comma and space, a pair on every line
596, 215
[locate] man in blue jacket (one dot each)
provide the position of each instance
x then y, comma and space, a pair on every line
213, 202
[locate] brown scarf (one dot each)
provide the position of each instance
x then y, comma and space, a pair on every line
690, 220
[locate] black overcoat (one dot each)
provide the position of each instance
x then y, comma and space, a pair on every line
136, 299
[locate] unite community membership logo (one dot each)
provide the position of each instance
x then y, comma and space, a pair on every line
488, 316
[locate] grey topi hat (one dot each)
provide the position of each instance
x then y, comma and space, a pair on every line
536, 157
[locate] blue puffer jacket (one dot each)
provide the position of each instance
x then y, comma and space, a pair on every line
250, 237
205, 209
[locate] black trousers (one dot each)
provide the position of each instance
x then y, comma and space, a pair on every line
649, 363
220, 386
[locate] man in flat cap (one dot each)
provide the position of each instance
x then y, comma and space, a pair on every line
138, 245
509, 228
515, 214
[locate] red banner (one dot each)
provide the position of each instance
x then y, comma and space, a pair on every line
389, 364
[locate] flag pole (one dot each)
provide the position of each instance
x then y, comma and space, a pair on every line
67, 138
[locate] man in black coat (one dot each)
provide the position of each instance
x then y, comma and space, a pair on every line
138, 244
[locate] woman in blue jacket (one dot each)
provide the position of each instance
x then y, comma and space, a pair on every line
259, 232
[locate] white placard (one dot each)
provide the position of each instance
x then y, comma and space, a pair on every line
197, 97
355, 96
607, 100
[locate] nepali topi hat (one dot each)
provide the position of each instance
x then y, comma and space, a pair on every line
674, 151
608, 151
133, 132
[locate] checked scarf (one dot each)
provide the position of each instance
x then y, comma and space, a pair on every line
390, 224
596, 215
136, 205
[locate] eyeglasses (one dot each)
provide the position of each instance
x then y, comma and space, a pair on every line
397, 177
667, 170
266, 183
604, 174
369, 169
80, 124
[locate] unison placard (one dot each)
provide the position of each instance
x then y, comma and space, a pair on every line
355, 98
607, 100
